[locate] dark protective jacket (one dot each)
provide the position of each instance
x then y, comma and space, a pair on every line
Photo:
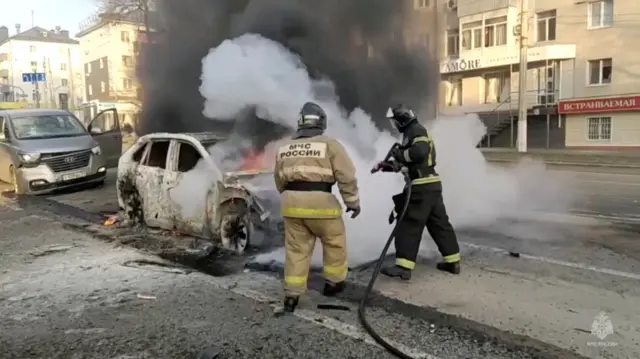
419, 156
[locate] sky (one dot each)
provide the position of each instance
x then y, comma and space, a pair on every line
47, 13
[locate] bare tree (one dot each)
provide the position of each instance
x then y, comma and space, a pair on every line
119, 9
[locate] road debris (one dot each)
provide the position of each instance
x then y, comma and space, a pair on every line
334, 307
111, 220
51, 250
146, 296
210, 353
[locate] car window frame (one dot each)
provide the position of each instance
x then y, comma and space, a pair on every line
147, 153
178, 145
145, 148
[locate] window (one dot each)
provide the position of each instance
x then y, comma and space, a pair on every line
472, 35
157, 156
88, 68
63, 67
103, 86
124, 36
420, 4
34, 65
454, 91
106, 122
90, 90
127, 84
32, 49
496, 87
2, 137
64, 82
136, 47
599, 128
127, 61
600, 14
547, 84
102, 63
546, 25
137, 156
453, 42
600, 71
495, 31
188, 157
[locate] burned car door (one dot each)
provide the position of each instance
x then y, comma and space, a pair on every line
150, 174
105, 129
129, 198
187, 183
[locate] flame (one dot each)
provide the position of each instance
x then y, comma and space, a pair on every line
253, 160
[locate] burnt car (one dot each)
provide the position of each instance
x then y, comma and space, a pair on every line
171, 181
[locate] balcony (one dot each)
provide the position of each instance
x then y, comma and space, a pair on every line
470, 7
4, 56
4, 73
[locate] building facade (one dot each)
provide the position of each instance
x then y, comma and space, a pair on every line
582, 83
109, 49
40, 67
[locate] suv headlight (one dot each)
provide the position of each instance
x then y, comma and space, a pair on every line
96, 150
30, 157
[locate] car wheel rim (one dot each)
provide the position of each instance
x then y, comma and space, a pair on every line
235, 234
241, 237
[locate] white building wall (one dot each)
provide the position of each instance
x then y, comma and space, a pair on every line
109, 41
60, 62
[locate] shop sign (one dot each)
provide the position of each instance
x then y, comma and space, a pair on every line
613, 104
461, 65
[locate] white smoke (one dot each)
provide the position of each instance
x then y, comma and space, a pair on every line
251, 70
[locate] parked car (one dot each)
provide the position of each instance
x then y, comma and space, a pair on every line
228, 213
43, 150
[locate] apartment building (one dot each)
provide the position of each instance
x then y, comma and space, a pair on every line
52, 55
109, 47
582, 81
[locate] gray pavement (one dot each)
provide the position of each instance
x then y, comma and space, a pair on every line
67, 293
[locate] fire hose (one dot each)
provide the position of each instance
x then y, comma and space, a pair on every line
376, 271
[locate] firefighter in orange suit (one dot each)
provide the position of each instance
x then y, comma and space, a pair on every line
307, 167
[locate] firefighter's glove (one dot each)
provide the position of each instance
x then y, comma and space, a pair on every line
384, 166
392, 217
355, 210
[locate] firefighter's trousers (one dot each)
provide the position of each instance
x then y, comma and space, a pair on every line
426, 209
300, 238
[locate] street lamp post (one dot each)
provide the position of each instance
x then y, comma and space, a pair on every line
36, 84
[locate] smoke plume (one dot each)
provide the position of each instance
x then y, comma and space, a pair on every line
246, 67
358, 44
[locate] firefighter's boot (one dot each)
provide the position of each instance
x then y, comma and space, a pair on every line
290, 304
453, 268
332, 289
397, 271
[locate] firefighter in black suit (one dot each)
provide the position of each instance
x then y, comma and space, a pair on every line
417, 155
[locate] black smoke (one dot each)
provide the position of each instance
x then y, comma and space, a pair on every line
358, 44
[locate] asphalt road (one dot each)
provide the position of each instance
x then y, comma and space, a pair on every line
69, 294
72, 288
